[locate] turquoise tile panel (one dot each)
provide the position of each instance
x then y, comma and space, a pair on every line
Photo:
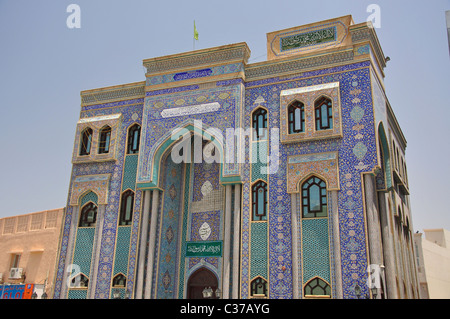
89, 197
129, 172
315, 248
259, 250
122, 250
77, 294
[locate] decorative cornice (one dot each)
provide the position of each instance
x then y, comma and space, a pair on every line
365, 32
279, 68
238, 52
113, 93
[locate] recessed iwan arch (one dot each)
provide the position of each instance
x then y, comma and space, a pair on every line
149, 166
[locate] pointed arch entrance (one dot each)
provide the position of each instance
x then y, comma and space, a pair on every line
202, 278
188, 173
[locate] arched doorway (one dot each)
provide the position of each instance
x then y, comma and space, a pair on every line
199, 280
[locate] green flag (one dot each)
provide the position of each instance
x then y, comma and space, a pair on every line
195, 32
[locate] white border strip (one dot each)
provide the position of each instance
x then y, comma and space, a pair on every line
189, 110
99, 118
310, 88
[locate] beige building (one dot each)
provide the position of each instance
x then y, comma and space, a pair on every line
28, 248
433, 258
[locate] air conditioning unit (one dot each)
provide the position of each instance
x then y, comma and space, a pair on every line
15, 273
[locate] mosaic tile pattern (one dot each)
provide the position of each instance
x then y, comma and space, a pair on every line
217, 70
89, 197
131, 113
83, 248
354, 82
259, 250
129, 172
167, 261
260, 151
207, 194
77, 294
259, 230
211, 218
122, 250
315, 249
301, 166
93, 183
184, 230
356, 153
205, 173
159, 129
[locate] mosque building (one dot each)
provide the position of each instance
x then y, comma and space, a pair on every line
279, 179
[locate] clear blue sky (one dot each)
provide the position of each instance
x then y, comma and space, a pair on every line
44, 65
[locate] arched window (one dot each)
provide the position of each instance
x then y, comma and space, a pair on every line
259, 124
397, 159
259, 201
402, 168
88, 215
126, 208
258, 287
134, 135
324, 114
317, 287
296, 117
314, 198
86, 141
79, 281
119, 281
398, 220
406, 173
104, 140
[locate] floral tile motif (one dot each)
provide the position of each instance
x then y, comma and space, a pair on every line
352, 159
324, 165
339, 158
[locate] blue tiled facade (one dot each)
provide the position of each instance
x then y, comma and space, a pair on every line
216, 88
